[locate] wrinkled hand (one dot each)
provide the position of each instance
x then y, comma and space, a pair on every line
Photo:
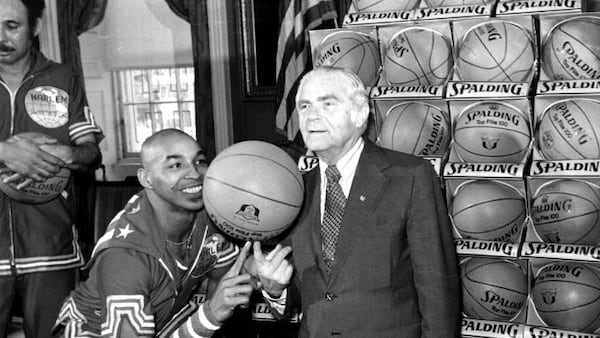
233, 289
28, 158
274, 270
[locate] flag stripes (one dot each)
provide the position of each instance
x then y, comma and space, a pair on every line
298, 17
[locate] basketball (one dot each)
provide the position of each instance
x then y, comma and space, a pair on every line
488, 210
417, 56
384, 5
566, 295
253, 190
354, 51
446, 3
493, 288
493, 132
569, 130
37, 192
571, 49
496, 51
416, 128
567, 211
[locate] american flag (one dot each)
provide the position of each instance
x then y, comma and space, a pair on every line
297, 18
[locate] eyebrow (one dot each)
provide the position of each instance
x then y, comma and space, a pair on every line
200, 153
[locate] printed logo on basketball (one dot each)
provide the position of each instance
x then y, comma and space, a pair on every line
500, 304
489, 143
326, 57
549, 296
248, 212
48, 106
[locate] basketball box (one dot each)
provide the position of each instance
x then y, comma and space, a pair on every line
487, 209
564, 298
415, 122
567, 127
494, 296
569, 51
497, 50
416, 54
354, 49
490, 130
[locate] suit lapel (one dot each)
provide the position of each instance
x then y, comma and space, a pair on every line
306, 236
367, 188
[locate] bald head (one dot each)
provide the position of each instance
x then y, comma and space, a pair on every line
162, 143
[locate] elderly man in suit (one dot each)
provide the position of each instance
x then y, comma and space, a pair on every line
372, 252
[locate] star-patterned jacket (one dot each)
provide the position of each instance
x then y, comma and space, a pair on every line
135, 276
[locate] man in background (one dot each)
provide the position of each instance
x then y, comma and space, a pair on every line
373, 253
39, 254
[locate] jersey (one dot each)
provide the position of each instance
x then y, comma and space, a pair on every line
50, 100
135, 274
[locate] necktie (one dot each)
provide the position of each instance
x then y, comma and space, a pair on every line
335, 201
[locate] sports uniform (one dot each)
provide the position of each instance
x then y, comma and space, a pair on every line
41, 238
138, 275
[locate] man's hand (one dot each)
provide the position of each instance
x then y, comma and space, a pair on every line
233, 289
273, 270
26, 157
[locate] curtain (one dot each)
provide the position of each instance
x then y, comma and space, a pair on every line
76, 17
195, 12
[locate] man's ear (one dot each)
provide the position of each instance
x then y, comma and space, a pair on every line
144, 178
38, 27
362, 116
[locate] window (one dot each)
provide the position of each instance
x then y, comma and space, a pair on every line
155, 99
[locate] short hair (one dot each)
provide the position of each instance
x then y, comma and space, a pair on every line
358, 91
35, 9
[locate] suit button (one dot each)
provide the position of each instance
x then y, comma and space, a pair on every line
330, 296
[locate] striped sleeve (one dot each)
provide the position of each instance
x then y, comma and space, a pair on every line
81, 120
228, 254
199, 323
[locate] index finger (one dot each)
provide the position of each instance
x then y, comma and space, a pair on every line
236, 268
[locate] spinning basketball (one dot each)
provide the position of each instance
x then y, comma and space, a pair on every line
417, 56
567, 295
569, 129
253, 190
492, 288
37, 192
488, 210
492, 132
416, 128
384, 5
571, 49
567, 211
354, 51
496, 51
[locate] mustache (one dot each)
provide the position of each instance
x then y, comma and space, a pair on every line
5, 48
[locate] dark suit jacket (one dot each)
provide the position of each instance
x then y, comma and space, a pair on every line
395, 272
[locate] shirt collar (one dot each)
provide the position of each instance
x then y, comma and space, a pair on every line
348, 162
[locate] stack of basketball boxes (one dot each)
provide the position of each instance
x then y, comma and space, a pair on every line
458, 82
563, 182
491, 121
